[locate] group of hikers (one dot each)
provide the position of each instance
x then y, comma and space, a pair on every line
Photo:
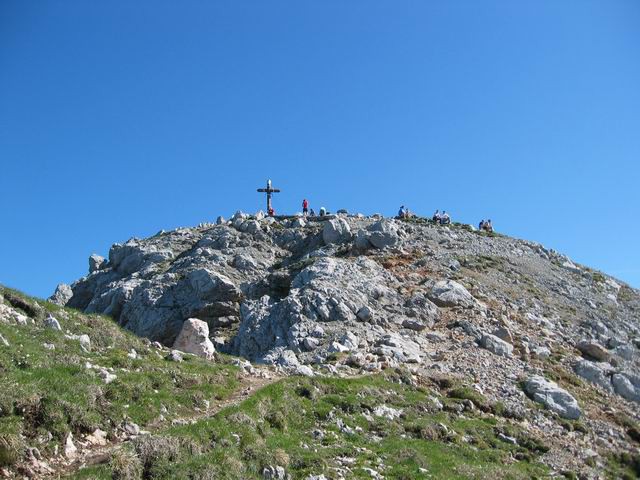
439, 218
485, 225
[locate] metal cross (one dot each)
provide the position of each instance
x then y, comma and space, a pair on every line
269, 191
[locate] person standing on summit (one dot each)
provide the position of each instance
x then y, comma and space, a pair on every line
305, 207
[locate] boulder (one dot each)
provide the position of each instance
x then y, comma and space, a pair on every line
52, 322
96, 262
413, 324
383, 233
194, 338
496, 345
627, 386
62, 295
336, 230
449, 293
593, 350
596, 373
220, 220
553, 397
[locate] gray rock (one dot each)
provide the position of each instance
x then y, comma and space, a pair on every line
336, 230
365, 314
553, 397
414, 324
220, 220
383, 233
593, 350
62, 295
175, 356
194, 338
496, 345
96, 262
626, 386
449, 293
52, 323
597, 373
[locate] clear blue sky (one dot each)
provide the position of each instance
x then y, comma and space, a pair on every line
121, 118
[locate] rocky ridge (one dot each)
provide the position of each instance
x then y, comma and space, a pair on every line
349, 294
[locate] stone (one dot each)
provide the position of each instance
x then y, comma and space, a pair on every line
625, 386
449, 293
98, 438
365, 314
504, 333
62, 295
220, 220
194, 338
386, 412
311, 343
96, 262
553, 397
595, 373
106, 375
383, 233
70, 450
274, 473
52, 323
496, 345
336, 231
541, 352
593, 350
413, 324
85, 342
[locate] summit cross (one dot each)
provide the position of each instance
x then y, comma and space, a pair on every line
269, 190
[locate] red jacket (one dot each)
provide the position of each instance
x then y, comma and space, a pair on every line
305, 204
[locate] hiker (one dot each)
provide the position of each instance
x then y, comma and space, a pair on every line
271, 212
436, 217
481, 225
312, 212
444, 218
402, 213
323, 211
305, 207
488, 226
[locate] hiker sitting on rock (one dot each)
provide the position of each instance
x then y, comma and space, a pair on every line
271, 212
323, 211
312, 212
481, 225
487, 227
403, 212
436, 217
444, 218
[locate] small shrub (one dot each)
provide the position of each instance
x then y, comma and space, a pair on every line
125, 466
11, 447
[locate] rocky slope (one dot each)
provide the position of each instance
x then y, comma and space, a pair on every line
553, 345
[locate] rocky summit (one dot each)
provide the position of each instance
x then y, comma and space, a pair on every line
494, 327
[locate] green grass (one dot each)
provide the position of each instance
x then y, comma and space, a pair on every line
275, 427
51, 391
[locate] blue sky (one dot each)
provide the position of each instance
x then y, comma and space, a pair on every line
121, 118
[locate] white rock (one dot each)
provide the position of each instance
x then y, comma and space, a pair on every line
70, 450
553, 397
449, 293
194, 338
3, 341
52, 323
336, 230
496, 345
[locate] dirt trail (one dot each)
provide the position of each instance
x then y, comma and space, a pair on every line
96, 455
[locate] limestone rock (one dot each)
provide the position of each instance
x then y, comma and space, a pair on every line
449, 293
336, 230
96, 262
627, 386
52, 323
383, 233
593, 350
62, 295
553, 397
194, 338
595, 373
496, 345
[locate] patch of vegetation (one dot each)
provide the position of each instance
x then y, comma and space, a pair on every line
52, 386
623, 465
306, 425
